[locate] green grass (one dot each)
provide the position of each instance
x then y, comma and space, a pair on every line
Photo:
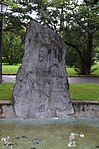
10, 69
71, 71
6, 91
84, 91
77, 91
96, 67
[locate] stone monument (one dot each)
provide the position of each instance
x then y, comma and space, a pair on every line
42, 89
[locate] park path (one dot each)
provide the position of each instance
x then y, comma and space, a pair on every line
95, 80
8, 78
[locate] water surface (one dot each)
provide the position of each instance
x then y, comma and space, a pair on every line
49, 134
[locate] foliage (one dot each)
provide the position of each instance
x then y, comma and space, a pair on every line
78, 25
71, 72
72, 57
12, 48
94, 71
84, 26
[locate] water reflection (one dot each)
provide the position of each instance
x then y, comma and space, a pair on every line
79, 135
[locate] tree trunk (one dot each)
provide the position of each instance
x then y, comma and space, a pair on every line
87, 56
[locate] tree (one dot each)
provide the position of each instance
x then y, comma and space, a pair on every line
78, 25
72, 57
12, 48
13, 36
90, 2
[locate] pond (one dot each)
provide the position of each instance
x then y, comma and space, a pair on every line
49, 134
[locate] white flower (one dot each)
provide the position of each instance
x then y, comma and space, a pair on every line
8, 137
72, 136
3, 139
71, 144
81, 135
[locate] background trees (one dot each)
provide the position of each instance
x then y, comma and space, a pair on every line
83, 32
12, 48
78, 25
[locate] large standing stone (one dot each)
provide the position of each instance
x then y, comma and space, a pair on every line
41, 89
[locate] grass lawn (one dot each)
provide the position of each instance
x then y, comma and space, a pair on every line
96, 72
84, 91
77, 91
10, 69
6, 91
71, 71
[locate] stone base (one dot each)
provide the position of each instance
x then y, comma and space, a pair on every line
6, 109
86, 109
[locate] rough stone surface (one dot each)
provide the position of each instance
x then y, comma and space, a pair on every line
41, 89
89, 109
6, 109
